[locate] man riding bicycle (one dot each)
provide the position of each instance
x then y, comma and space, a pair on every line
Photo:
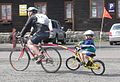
40, 32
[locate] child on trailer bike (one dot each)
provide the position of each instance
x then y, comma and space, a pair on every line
87, 47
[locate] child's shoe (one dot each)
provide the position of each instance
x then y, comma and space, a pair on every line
89, 63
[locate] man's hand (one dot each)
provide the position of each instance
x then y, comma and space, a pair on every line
18, 35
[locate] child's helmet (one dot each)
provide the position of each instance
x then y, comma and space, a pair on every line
89, 33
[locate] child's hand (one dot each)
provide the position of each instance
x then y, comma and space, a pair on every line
77, 48
81, 42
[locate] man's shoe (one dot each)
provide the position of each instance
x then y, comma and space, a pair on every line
40, 56
39, 59
38, 62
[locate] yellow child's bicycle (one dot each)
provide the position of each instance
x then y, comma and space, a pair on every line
74, 62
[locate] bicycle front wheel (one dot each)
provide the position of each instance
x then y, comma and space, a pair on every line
98, 67
72, 63
52, 61
19, 59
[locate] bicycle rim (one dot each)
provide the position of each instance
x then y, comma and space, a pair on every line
19, 59
52, 61
72, 63
99, 69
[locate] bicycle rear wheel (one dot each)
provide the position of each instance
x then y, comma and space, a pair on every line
98, 67
52, 61
72, 63
19, 59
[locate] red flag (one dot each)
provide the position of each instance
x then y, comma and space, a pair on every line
106, 14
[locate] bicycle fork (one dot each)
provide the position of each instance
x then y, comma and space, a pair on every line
21, 53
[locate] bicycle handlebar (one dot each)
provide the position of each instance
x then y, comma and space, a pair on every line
77, 48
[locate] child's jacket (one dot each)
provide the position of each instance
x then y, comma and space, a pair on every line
88, 45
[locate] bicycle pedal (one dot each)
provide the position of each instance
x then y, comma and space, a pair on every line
81, 64
48, 60
40, 56
35, 58
38, 62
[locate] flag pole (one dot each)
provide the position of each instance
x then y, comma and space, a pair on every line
102, 24
107, 15
101, 27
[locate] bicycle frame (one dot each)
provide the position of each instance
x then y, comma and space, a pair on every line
24, 47
24, 54
31, 53
76, 53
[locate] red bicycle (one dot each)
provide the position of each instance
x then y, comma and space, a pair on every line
20, 57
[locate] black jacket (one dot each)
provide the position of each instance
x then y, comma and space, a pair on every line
32, 22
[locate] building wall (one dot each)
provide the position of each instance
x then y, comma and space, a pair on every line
17, 21
55, 10
83, 20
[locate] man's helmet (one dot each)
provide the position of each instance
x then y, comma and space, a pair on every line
32, 9
89, 33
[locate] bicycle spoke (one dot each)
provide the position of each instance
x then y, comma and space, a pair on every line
72, 63
19, 60
98, 67
52, 61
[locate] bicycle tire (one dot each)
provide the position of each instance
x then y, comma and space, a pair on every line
102, 69
19, 63
52, 61
72, 63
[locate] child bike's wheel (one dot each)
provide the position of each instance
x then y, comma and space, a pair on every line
72, 63
19, 59
52, 61
98, 67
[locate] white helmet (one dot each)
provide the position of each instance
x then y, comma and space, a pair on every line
89, 33
32, 9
